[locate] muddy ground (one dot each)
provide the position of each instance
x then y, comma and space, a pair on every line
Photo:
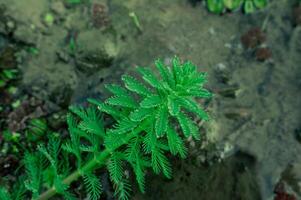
255, 112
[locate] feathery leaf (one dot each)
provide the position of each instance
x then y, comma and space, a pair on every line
117, 90
123, 101
188, 127
151, 101
93, 186
175, 143
134, 85
173, 106
115, 167
140, 114
150, 78
161, 121
4, 195
193, 107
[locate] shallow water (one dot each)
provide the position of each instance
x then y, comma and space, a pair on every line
257, 121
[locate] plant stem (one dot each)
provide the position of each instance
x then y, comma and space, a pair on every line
93, 163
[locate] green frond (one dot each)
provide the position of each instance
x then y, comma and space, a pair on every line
188, 127
151, 101
160, 162
93, 123
54, 147
202, 93
135, 86
123, 126
175, 143
93, 186
161, 121
4, 195
139, 172
133, 148
193, 107
62, 188
33, 171
115, 167
51, 152
117, 90
177, 70
114, 112
72, 123
140, 114
165, 73
149, 141
173, 106
19, 190
113, 140
79, 111
123, 189
123, 101
70, 148
150, 78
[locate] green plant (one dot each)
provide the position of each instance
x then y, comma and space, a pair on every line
6, 76
249, 6
36, 129
144, 132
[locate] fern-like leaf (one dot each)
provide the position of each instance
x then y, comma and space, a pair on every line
140, 175
111, 110
115, 167
165, 73
175, 143
151, 101
123, 189
193, 107
140, 114
93, 122
134, 85
93, 186
188, 127
161, 121
160, 162
123, 101
150, 78
203, 93
33, 170
62, 188
124, 126
173, 106
4, 195
117, 90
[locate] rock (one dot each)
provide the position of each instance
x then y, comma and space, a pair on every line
230, 91
237, 113
100, 17
263, 54
10, 25
58, 8
92, 62
222, 73
253, 38
63, 56
26, 35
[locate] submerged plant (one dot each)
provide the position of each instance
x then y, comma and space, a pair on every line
249, 6
146, 115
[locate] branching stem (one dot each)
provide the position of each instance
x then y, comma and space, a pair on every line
94, 163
